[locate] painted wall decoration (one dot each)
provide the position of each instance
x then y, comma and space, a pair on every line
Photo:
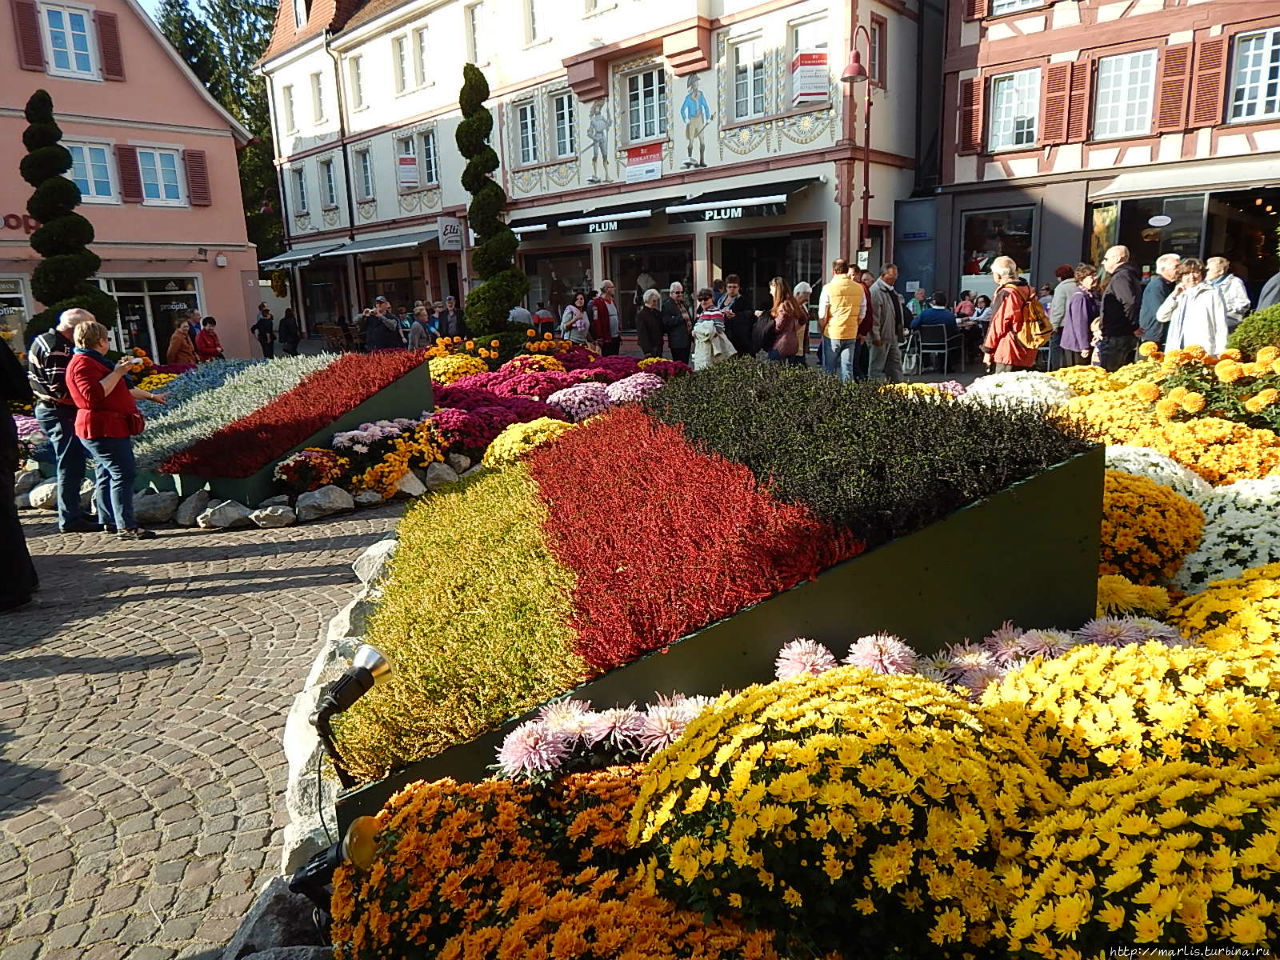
598, 124
696, 114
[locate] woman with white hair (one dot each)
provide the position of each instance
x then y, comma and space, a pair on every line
1006, 351
803, 292
1195, 311
649, 324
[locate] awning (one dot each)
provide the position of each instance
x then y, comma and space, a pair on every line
757, 200
526, 225
1161, 181
373, 244
624, 216
296, 256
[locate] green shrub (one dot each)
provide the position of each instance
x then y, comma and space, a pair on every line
1258, 330
475, 616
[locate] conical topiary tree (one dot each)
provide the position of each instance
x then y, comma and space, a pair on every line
502, 285
61, 279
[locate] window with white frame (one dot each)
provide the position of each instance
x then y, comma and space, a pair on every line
286, 103
421, 65
408, 178
300, 189
808, 36
364, 166
317, 98
1012, 6
1255, 79
161, 183
430, 159
527, 131
91, 171
299, 14
328, 184
68, 40
531, 20
477, 42
562, 106
400, 62
647, 104
1125, 90
1015, 101
748, 79
877, 48
357, 84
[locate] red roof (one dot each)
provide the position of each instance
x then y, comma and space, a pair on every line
322, 15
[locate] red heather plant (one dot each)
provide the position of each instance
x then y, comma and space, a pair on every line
244, 447
697, 538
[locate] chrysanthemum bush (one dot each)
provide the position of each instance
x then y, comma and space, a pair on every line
580, 401
1190, 384
1233, 614
1144, 462
311, 469
520, 439
454, 367
1119, 596
1146, 528
1037, 390
1241, 531
849, 811
475, 616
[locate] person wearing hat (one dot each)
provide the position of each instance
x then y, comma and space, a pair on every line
382, 331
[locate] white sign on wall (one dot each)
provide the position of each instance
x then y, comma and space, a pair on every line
644, 163
450, 233
810, 80
407, 172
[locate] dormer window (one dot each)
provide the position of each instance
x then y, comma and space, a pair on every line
299, 14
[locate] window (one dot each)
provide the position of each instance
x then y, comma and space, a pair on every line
476, 40
286, 101
420, 61
1009, 6
317, 98
879, 50
748, 79
407, 176
1126, 88
988, 234
527, 125
430, 161
66, 33
809, 37
91, 170
566, 125
1255, 84
647, 104
300, 188
364, 163
299, 14
159, 176
531, 20
357, 85
1014, 102
328, 184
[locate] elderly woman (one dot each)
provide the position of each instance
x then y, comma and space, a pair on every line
803, 292
181, 349
106, 420
1081, 311
649, 324
1195, 311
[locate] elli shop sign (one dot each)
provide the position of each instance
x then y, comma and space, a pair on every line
450, 233
644, 163
810, 79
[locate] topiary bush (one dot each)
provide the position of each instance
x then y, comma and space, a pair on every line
1258, 330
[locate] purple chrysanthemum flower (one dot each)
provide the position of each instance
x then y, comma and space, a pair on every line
532, 750
1111, 632
1005, 642
975, 679
882, 653
1157, 630
803, 657
663, 726
572, 718
964, 658
619, 728
1046, 643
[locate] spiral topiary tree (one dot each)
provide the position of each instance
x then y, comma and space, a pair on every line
502, 285
61, 279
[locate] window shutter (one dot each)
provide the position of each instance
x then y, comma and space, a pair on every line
969, 136
1055, 92
130, 174
1079, 101
198, 193
976, 9
1207, 85
108, 27
26, 23
1171, 90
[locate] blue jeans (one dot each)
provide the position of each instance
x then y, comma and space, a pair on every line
838, 356
113, 459
59, 423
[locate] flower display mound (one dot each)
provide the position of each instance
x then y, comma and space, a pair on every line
868, 460
520, 439
476, 617
1233, 614
657, 511
849, 811
204, 413
1190, 384
1175, 854
1241, 531
1026, 387
501, 870
462, 397
1147, 528
1144, 462
245, 446
1098, 711
581, 400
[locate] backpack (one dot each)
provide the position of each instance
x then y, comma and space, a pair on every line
1036, 329
763, 333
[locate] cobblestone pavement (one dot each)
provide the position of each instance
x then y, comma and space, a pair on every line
141, 709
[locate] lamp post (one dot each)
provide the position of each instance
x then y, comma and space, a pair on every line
855, 72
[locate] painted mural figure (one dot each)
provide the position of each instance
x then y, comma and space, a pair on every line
598, 133
696, 114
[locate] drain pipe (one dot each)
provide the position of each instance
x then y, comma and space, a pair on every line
342, 135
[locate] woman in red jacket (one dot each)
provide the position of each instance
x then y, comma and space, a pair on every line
1002, 343
106, 419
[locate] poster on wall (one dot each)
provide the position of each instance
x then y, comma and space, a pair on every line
644, 163
810, 81
450, 233
407, 172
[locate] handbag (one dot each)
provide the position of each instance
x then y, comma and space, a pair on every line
136, 423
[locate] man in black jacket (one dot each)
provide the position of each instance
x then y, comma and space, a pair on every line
1121, 306
677, 320
739, 318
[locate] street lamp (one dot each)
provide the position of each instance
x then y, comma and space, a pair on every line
855, 72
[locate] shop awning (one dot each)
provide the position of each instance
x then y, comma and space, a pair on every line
1190, 178
296, 256
624, 216
757, 200
399, 241
527, 225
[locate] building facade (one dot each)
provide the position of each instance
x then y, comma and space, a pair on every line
1071, 126
645, 143
154, 157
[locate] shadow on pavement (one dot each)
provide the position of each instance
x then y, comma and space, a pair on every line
22, 786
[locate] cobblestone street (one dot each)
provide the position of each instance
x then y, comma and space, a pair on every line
142, 703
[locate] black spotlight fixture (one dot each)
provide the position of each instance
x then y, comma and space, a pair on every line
368, 667
313, 878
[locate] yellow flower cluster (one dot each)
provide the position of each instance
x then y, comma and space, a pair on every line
846, 797
1120, 597
547, 345
1134, 373
920, 389
539, 361
418, 447
519, 438
455, 366
1231, 614
1085, 380
1147, 528
156, 381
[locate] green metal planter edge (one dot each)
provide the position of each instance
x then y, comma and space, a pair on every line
407, 396
960, 577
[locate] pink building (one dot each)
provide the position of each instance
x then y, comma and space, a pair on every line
155, 160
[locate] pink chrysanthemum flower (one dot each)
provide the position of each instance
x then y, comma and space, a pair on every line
965, 658
1045, 643
976, 679
882, 653
531, 751
572, 718
663, 726
1004, 642
619, 729
803, 657
1163, 632
1111, 632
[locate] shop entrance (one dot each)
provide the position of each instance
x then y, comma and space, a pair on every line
400, 281
635, 268
758, 259
148, 309
1241, 226
13, 313
323, 295
555, 277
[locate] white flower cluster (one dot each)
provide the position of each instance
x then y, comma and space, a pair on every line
1024, 387
206, 413
1145, 462
1241, 530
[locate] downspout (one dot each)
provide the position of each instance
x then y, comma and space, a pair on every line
342, 135
276, 141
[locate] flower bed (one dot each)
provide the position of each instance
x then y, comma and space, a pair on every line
1147, 529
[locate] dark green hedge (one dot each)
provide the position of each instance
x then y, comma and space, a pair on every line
865, 457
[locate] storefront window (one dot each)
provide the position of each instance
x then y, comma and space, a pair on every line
988, 234
1242, 227
635, 269
554, 277
400, 281
1149, 227
322, 295
757, 260
13, 314
148, 308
